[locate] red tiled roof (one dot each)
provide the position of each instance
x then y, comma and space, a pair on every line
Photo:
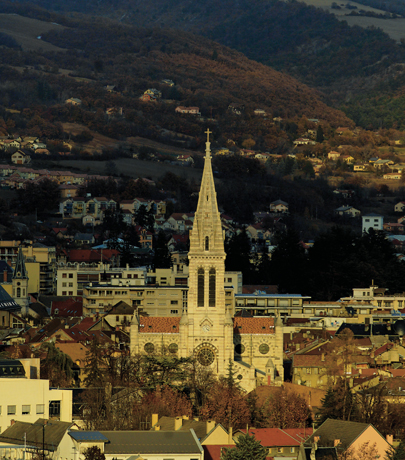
91, 255
273, 437
159, 324
68, 307
253, 325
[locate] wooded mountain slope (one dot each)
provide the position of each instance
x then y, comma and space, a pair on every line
206, 74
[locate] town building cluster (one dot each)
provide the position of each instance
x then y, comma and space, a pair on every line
72, 297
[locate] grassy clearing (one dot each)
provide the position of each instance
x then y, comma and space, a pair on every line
27, 30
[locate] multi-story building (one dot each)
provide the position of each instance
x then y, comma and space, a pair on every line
27, 399
40, 262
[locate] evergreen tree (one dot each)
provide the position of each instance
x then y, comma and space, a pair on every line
94, 366
396, 453
319, 134
162, 257
246, 448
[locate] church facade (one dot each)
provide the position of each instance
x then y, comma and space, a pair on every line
207, 328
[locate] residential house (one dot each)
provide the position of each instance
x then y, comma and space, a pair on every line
279, 206
20, 157
68, 191
260, 112
140, 445
360, 167
168, 82
73, 101
349, 437
304, 141
223, 151
343, 130
372, 220
112, 112
281, 443
189, 110
154, 92
347, 211
185, 159
400, 207
333, 155
380, 164
145, 237
347, 159
392, 176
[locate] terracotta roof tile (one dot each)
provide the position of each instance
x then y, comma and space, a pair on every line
253, 325
159, 324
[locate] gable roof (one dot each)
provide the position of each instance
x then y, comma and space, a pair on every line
151, 442
53, 433
253, 325
159, 324
346, 432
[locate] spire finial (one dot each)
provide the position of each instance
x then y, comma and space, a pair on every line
208, 144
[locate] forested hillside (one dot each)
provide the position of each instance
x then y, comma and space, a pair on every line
307, 43
206, 74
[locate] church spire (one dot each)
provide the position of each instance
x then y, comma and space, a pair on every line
20, 272
207, 229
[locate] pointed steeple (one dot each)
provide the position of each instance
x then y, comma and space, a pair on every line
20, 272
207, 229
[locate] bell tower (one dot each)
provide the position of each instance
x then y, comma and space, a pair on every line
209, 324
20, 281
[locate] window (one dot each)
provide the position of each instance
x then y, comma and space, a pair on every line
174, 312
200, 287
64, 275
280, 450
70, 292
54, 408
212, 283
207, 243
40, 408
26, 409
367, 220
11, 410
70, 284
174, 302
292, 449
63, 292
70, 275
229, 280
64, 284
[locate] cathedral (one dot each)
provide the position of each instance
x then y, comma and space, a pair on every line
208, 328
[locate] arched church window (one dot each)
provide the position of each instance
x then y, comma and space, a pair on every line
200, 287
207, 243
212, 286
18, 292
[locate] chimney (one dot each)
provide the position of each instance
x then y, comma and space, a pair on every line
230, 433
12, 422
210, 424
4, 276
157, 427
178, 423
155, 418
186, 417
323, 357
390, 439
336, 442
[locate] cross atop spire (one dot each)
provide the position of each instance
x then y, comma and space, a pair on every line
208, 144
